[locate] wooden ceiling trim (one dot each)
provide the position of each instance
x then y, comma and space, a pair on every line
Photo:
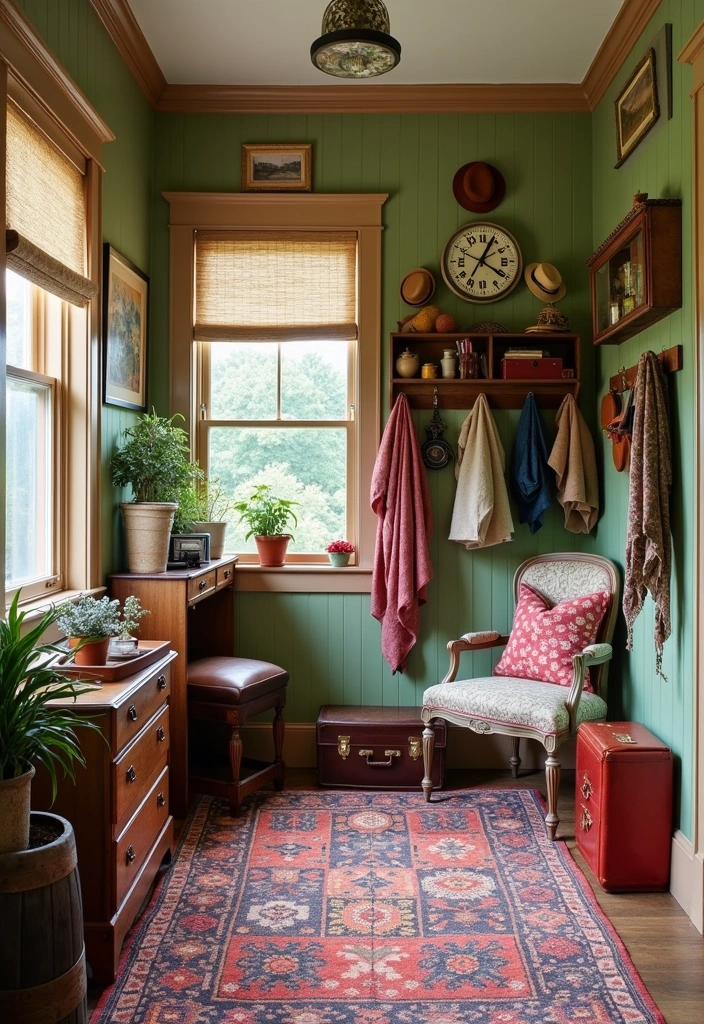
124, 30
627, 27
375, 99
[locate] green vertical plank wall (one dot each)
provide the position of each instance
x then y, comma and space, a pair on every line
330, 643
662, 167
73, 32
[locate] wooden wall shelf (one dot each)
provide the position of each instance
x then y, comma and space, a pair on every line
455, 393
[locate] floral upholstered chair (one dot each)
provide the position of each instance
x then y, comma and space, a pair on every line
552, 674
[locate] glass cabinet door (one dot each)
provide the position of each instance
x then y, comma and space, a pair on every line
620, 284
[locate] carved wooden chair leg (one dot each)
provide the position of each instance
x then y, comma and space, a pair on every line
552, 779
279, 747
235, 751
515, 759
428, 750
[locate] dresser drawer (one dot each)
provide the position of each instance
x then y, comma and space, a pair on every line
141, 704
136, 841
133, 768
225, 574
201, 586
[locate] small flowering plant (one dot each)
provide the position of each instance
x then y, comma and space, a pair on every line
342, 547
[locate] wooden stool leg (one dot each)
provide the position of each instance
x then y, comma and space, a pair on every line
235, 751
279, 746
428, 751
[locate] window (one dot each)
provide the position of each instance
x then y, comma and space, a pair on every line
275, 349
277, 404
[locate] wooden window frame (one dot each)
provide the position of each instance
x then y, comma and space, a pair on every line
212, 211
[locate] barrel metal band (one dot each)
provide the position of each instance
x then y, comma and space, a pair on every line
47, 1003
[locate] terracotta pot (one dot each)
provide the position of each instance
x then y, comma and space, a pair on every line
14, 813
148, 529
92, 652
217, 536
272, 550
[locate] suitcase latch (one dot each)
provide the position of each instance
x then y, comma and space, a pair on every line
415, 747
343, 746
586, 821
623, 737
586, 787
390, 754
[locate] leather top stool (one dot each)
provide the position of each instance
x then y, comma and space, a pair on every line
222, 694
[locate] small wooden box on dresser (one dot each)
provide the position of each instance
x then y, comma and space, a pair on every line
119, 805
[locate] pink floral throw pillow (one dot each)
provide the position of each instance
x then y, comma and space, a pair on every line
543, 639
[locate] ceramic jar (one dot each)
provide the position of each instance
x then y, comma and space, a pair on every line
428, 371
449, 362
407, 364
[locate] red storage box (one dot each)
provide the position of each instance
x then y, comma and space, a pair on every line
531, 369
623, 805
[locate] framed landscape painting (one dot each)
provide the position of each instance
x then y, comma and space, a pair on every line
284, 167
125, 314
637, 108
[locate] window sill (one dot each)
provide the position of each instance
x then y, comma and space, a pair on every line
304, 579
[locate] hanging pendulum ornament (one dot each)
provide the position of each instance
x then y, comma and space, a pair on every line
436, 452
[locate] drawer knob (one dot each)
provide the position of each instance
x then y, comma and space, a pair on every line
227, 573
203, 584
132, 713
160, 799
131, 774
586, 821
161, 682
160, 734
130, 854
586, 787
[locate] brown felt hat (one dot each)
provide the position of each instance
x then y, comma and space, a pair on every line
545, 281
417, 287
479, 187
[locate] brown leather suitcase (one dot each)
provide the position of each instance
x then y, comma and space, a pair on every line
375, 747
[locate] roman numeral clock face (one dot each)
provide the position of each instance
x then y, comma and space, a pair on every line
482, 262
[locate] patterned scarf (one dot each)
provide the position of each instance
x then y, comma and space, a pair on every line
648, 542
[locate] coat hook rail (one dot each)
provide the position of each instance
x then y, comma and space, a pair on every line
624, 380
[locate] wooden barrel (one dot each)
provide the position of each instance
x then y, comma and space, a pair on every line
42, 956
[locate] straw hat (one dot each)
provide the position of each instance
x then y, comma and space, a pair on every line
417, 286
479, 187
545, 281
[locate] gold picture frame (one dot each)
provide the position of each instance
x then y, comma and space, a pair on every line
276, 167
125, 320
636, 108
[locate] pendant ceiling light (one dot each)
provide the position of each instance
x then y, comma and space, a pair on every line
355, 40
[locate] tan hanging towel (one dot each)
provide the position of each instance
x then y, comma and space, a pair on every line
648, 540
481, 515
574, 461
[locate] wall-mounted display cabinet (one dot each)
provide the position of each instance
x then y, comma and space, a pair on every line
540, 353
636, 273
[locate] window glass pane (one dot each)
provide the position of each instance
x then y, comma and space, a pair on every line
307, 465
29, 489
314, 380
19, 321
243, 380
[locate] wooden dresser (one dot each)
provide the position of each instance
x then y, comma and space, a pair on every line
119, 806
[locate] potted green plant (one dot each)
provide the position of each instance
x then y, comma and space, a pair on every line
204, 507
267, 517
90, 624
124, 645
31, 730
154, 461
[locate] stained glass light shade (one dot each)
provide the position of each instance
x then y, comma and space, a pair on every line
355, 40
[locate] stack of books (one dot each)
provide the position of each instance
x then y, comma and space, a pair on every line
524, 353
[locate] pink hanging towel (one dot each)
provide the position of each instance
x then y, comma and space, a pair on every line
402, 567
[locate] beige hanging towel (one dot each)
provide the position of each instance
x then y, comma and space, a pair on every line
481, 516
574, 461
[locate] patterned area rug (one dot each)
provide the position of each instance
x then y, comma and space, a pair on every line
375, 908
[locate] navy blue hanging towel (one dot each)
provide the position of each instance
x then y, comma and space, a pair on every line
530, 472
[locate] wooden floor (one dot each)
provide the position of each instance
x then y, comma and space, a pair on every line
666, 948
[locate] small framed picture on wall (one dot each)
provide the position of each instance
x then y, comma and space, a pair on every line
125, 316
276, 167
637, 108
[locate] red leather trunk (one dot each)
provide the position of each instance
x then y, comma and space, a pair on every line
623, 805
375, 747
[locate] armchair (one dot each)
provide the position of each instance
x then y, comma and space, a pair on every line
531, 708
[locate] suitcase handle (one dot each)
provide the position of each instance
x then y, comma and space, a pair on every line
391, 754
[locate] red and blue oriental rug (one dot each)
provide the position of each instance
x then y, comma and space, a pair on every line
375, 908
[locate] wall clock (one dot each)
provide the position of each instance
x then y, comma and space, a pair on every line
482, 262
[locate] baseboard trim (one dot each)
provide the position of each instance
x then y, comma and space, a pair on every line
687, 879
479, 752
